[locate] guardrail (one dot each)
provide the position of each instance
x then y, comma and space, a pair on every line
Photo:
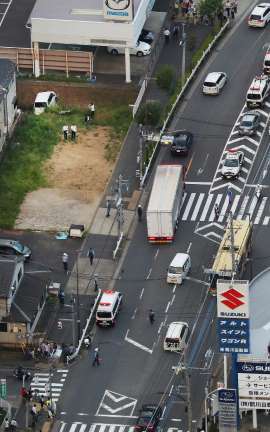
187, 83
74, 355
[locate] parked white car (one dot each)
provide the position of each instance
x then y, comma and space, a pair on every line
141, 49
260, 15
214, 82
44, 100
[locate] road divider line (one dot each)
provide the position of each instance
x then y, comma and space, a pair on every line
160, 327
137, 344
167, 307
174, 288
156, 254
142, 291
148, 276
134, 313
172, 300
189, 247
170, 392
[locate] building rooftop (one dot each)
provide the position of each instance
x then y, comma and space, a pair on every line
78, 10
7, 70
7, 267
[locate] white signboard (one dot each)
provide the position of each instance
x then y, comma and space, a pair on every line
253, 385
118, 10
232, 299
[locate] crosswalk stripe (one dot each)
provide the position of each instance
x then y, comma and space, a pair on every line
83, 427
218, 199
73, 427
266, 220
260, 211
223, 210
189, 205
235, 203
197, 207
243, 207
252, 207
206, 208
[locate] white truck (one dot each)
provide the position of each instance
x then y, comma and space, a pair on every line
165, 203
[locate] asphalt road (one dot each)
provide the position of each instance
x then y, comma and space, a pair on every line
134, 368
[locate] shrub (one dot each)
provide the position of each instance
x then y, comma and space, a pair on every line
165, 77
149, 114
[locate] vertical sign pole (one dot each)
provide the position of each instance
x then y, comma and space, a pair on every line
235, 385
225, 371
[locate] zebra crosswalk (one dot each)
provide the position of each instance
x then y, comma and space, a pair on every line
46, 384
200, 207
101, 427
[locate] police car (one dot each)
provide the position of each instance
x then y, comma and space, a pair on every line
108, 308
258, 91
232, 164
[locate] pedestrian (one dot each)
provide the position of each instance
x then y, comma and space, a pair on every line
108, 207
13, 425
73, 131
232, 14
96, 360
34, 414
175, 31
151, 316
92, 110
230, 195
228, 8
6, 424
167, 35
91, 255
41, 401
235, 6
65, 132
216, 209
140, 212
65, 261
87, 117
61, 296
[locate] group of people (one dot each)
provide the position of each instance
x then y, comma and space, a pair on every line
69, 131
43, 404
45, 350
10, 425
65, 258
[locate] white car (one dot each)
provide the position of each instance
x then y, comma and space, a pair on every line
141, 49
214, 82
44, 100
232, 164
260, 15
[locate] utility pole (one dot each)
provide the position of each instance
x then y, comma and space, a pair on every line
183, 44
78, 302
189, 408
232, 244
121, 183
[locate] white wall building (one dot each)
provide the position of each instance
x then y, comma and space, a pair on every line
89, 22
8, 101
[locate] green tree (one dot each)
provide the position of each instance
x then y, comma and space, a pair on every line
166, 77
211, 8
149, 114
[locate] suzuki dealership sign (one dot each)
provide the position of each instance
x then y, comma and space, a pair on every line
118, 10
233, 316
253, 385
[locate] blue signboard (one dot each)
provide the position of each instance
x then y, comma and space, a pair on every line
227, 405
233, 335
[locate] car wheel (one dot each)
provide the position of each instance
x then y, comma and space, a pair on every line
139, 54
114, 52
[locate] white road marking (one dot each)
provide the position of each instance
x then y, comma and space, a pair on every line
189, 205
243, 207
156, 254
266, 220
142, 291
167, 307
189, 247
134, 314
174, 288
197, 207
173, 298
170, 392
6, 11
198, 183
260, 211
160, 327
235, 203
148, 276
223, 210
119, 402
137, 344
206, 208
252, 207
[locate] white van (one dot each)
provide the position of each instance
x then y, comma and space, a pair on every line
44, 100
108, 308
178, 268
258, 91
266, 63
176, 337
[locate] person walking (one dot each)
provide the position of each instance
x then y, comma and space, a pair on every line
73, 131
65, 132
91, 255
216, 209
167, 35
175, 31
140, 212
65, 261
151, 316
13, 425
96, 360
92, 110
34, 414
108, 207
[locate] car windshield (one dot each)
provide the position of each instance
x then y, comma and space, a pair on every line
267, 63
247, 121
104, 314
40, 105
210, 84
255, 17
180, 140
231, 163
19, 247
175, 270
254, 96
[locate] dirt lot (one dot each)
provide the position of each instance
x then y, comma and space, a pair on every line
77, 174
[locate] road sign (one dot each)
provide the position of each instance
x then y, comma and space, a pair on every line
3, 388
233, 316
253, 384
227, 415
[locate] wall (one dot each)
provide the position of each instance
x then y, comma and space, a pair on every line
2, 124
12, 338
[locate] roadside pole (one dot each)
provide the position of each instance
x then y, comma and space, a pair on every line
183, 44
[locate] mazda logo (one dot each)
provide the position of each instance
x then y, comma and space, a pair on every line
232, 299
117, 4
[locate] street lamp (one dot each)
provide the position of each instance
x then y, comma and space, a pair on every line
207, 395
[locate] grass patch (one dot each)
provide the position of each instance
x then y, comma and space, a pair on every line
33, 143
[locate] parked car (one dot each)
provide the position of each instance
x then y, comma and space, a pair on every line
44, 100
141, 49
232, 164
260, 15
181, 143
149, 418
214, 82
147, 36
249, 123
14, 247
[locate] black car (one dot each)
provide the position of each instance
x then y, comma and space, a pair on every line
249, 123
181, 143
147, 36
149, 418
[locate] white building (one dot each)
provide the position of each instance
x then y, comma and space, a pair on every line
8, 101
89, 22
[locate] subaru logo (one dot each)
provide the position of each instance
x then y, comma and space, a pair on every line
248, 368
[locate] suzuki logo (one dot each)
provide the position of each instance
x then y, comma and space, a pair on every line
232, 298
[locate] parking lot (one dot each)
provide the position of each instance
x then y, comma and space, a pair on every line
14, 15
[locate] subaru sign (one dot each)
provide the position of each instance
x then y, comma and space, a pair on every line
253, 384
233, 316
118, 10
227, 405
